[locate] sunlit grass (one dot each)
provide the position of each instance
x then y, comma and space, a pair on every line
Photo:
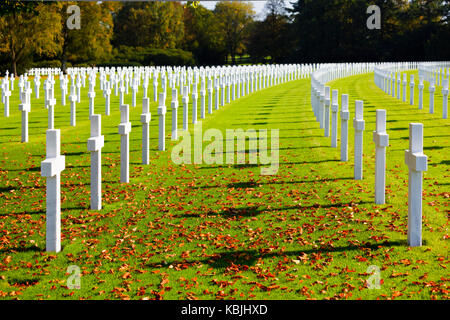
224, 231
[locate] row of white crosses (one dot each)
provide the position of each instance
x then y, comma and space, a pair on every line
55, 162
385, 78
244, 80
414, 157
6, 93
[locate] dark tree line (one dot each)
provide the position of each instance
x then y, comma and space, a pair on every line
336, 30
172, 33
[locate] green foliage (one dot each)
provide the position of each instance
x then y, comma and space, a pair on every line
47, 64
193, 4
202, 36
136, 56
233, 20
313, 31
328, 31
92, 42
24, 33
119, 63
169, 57
149, 24
18, 6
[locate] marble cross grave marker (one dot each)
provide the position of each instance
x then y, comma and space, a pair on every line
107, 94
174, 106
421, 87
185, 101
411, 90
327, 112
358, 124
444, 98
431, 89
162, 123
124, 131
73, 108
381, 139
51, 169
345, 116
25, 108
417, 163
334, 113
95, 144
145, 120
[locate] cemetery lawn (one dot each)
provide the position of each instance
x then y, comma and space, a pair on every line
225, 231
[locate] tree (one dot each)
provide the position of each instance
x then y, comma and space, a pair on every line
202, 36
275, 7
276, 26
149, 24
28, 28
92, 42
234, 17
335, 30
256, 42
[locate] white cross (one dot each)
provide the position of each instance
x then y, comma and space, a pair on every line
431, 89
185, 101
51, 168
421, 87
358, 124
345, 116
334, 111
51, 110
417, 162
95, 144
327, 112
145, 120
124, 131
444, 98
194, 105
174, 107
162, 123
7, 94
381, 139
107, 94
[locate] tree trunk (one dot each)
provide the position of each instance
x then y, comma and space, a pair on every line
14, 61
13, 49
64, 62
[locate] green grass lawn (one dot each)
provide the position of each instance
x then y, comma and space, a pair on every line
225, 231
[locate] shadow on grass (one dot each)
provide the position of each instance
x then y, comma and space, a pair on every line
76, 153
18, 188
23, 282
22, 249
36, 169
257, 210
222, 260
43, 211
253, 184
433, 148
446, 162
304, 162
81, 166
23, 212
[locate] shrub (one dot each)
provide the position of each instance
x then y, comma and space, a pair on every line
120, 64
170, 57
137, 56
47, 64
82, 65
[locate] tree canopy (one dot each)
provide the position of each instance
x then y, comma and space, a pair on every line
35, 33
